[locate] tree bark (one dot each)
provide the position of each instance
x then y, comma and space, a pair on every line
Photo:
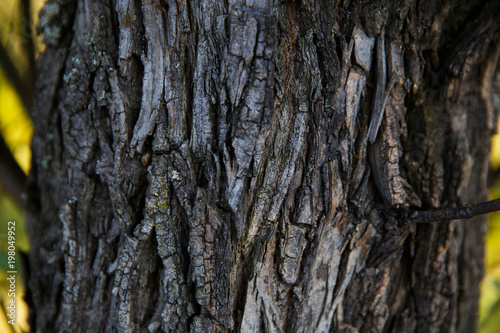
213, 166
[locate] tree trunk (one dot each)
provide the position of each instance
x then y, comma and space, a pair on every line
213, 166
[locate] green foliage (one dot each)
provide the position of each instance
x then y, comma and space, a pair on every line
489, 306
18, 51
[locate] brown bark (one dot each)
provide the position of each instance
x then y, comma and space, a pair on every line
240, 166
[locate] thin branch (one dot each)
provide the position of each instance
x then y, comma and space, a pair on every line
12, 178
27, 40
458, 213
13, 76
27, 32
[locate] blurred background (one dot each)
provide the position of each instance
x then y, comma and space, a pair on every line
19, 48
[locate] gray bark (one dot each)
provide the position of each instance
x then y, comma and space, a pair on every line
212, 166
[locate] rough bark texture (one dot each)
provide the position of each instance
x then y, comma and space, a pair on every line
213, 166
